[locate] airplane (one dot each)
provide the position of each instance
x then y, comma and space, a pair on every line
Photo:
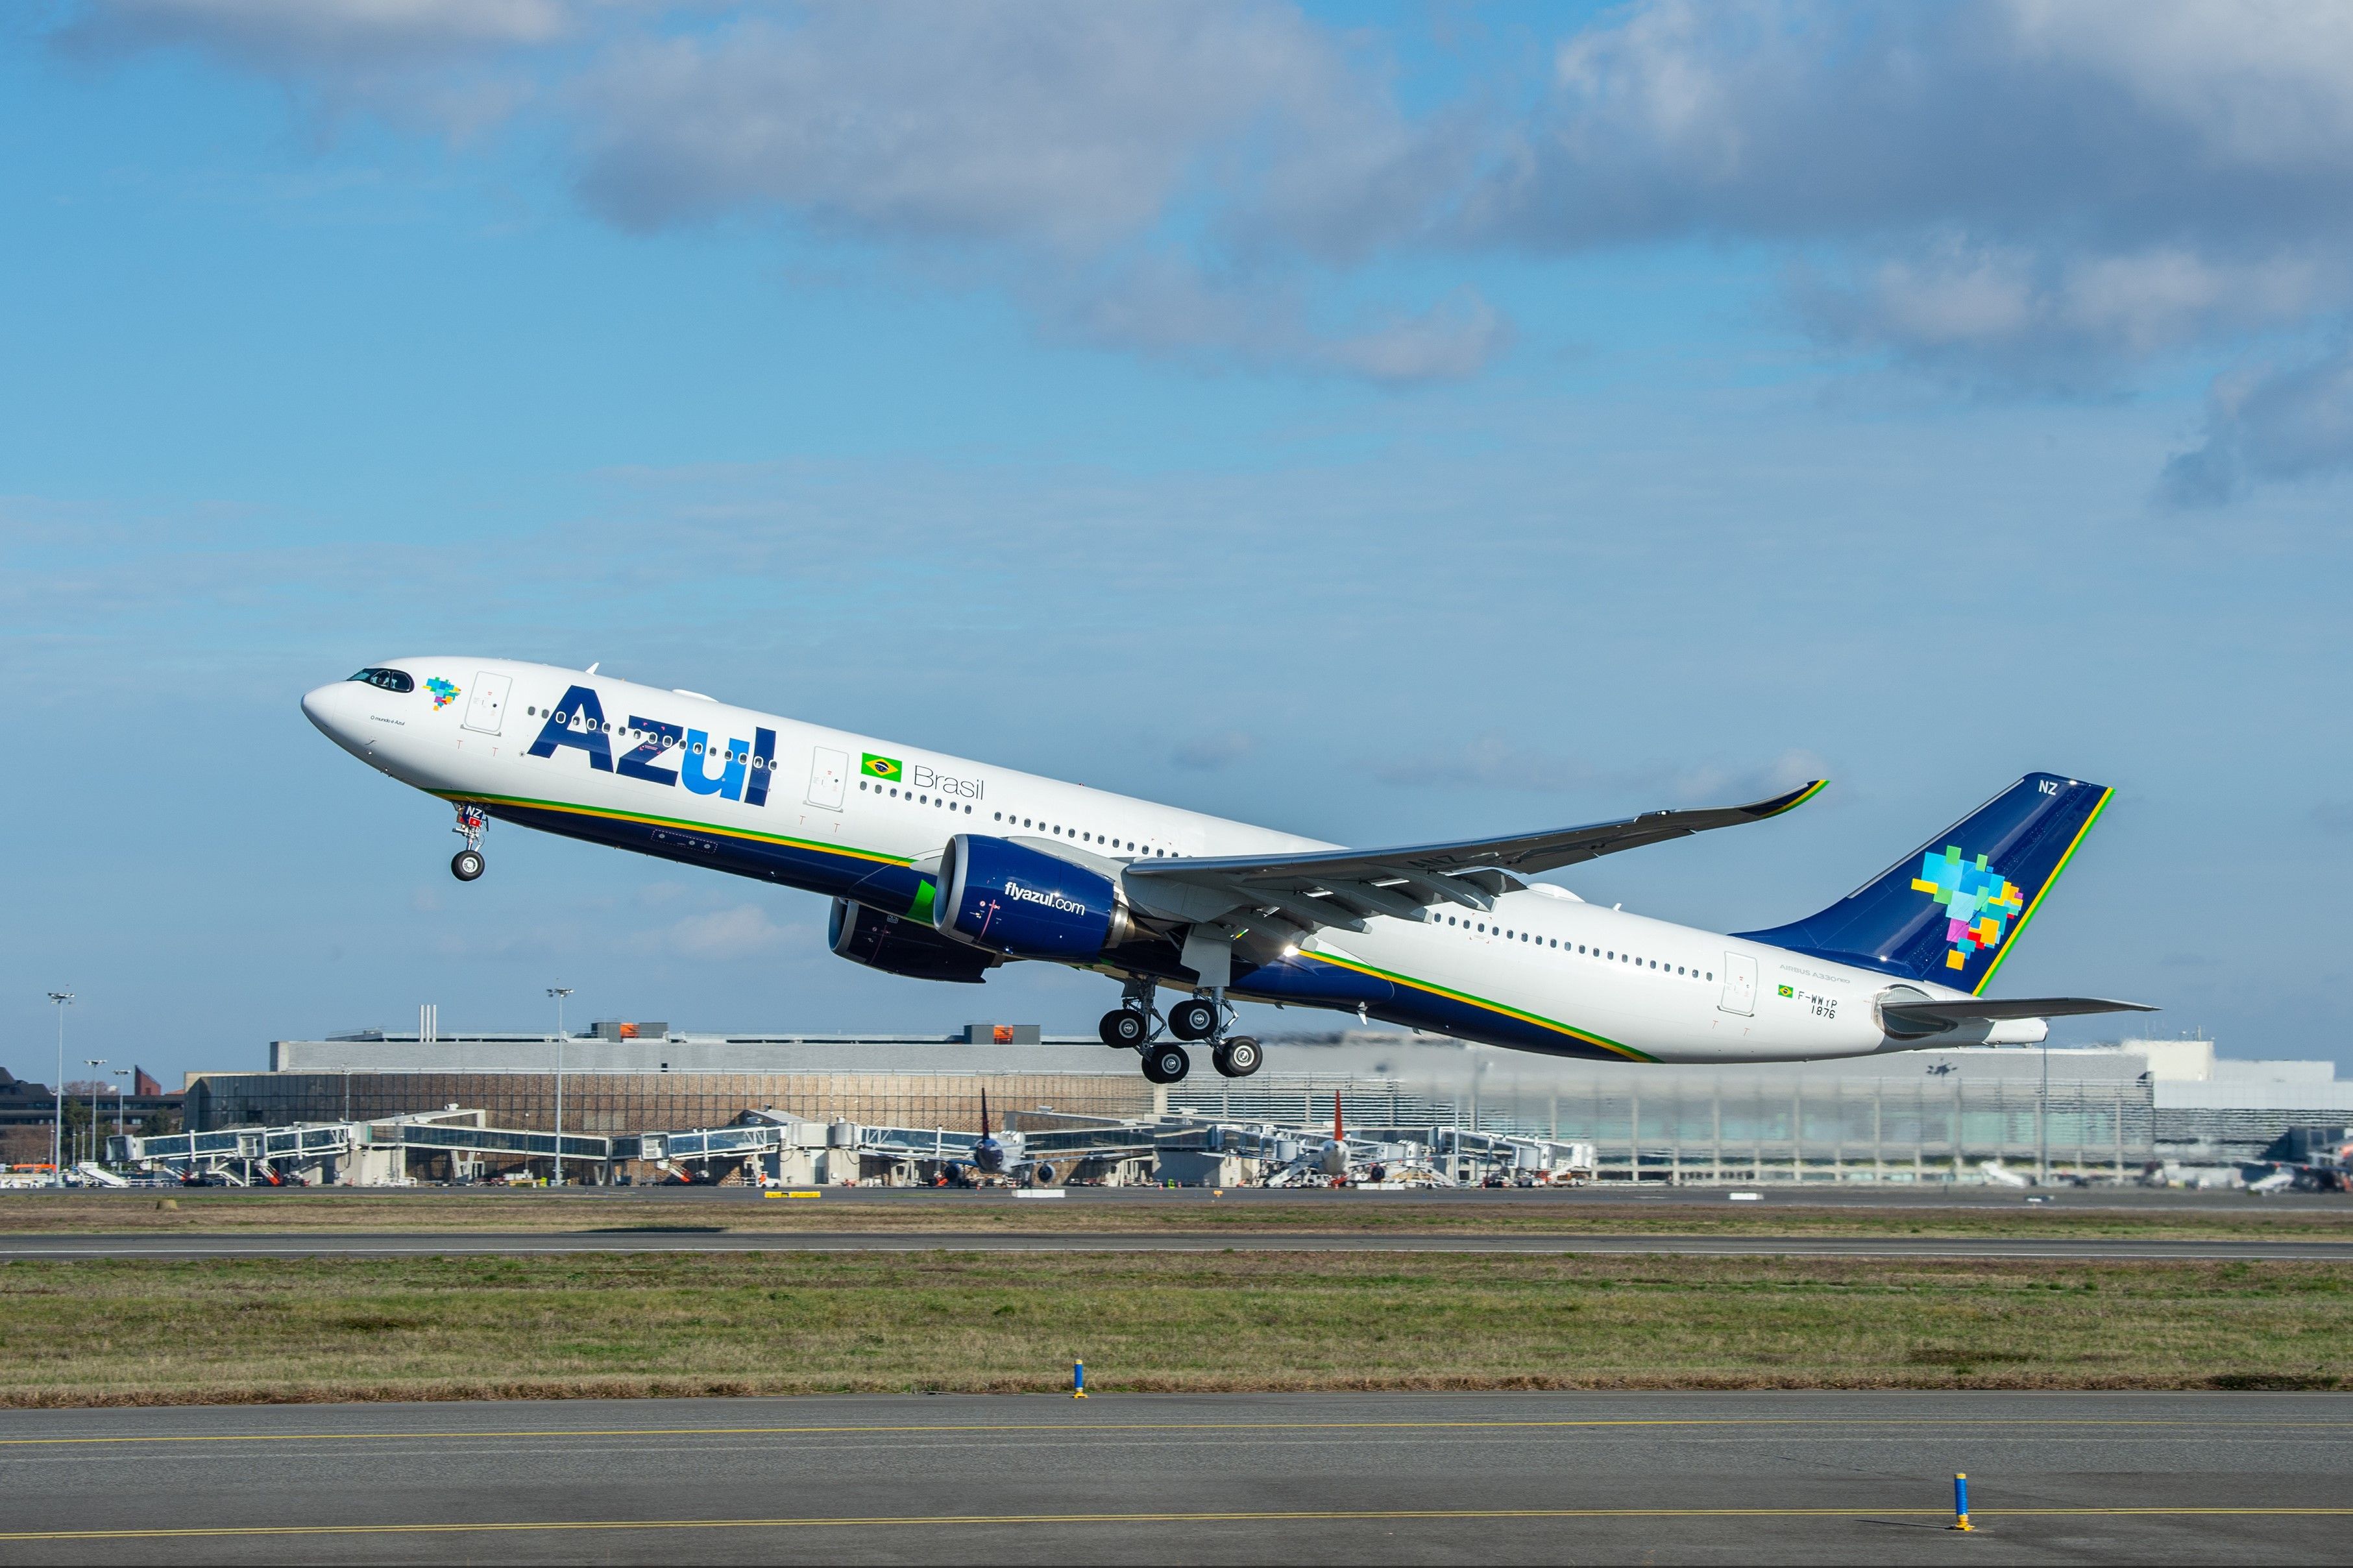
1004, 1156
1341, 1162
943, 869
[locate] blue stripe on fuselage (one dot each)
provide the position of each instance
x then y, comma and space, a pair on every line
1303, 981
833, 873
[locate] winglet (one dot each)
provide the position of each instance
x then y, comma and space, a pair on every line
1790, 802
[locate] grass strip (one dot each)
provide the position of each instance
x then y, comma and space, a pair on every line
152, 1332
220, 1211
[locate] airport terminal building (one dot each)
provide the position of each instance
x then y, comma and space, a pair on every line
2103, 1112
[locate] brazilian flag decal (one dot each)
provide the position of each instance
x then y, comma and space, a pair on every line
876, 767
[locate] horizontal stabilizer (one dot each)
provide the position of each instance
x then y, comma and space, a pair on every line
1934, 1014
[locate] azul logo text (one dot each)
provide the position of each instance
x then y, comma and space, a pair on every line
743, 767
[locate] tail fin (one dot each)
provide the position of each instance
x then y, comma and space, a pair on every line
1952, 909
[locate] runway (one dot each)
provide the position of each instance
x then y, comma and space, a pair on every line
456, 1244
1696, 1477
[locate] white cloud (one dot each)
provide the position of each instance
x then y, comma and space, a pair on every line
2034, 316
2028, 193
725, 936
1066, 126
2280, 423
330, 33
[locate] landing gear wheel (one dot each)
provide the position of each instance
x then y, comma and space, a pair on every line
1238, 1058
1194, 1020
467, 864
1124, 1029
1166, 1064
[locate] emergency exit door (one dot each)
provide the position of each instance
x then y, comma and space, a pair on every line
487, 709
829, 772
1739, 984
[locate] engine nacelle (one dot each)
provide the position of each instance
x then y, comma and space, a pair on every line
1014, 900
898, 946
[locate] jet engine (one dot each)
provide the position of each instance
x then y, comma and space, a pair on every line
897, 946
1025, 903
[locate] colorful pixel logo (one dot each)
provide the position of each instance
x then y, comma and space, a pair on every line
444, 692
1978, 902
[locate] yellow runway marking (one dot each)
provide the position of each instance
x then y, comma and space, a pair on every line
967, 1520
1091, 1429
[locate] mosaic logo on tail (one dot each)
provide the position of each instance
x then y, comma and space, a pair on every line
1979, 903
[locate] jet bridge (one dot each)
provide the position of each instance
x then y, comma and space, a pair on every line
367, 1153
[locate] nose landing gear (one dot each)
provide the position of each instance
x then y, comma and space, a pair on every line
472, 823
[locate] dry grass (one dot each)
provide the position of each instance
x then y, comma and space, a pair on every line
152, 1332
985, 1213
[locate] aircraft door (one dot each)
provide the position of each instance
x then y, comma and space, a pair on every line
1739, 984
488, 709
829, 770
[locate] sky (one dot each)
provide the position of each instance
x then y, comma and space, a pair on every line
1386, 423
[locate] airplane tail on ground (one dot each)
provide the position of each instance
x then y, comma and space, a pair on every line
1952, 909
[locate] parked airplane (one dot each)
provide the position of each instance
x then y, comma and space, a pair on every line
942, 868
1007, 1157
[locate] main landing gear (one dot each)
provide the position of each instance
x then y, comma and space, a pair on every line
472, 823
1133, 1026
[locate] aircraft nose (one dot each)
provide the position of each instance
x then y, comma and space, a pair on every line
334, 710
314, 707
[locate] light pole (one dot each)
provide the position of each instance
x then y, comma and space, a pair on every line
2042, 1120
559, 993
118, 1075
64, 999
96, 1083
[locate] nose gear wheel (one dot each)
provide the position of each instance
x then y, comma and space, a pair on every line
472, 823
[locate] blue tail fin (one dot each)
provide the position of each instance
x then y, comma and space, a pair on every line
1952, 909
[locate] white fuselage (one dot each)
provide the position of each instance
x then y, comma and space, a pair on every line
803, 805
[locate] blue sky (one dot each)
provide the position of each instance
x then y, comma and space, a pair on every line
1385, 425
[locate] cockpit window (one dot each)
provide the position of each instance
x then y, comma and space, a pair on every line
387, 679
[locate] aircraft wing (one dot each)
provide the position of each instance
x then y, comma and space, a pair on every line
1343, 887
1936, 1015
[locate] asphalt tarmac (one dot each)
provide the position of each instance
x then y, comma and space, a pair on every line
1490, 1479
466, 1243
